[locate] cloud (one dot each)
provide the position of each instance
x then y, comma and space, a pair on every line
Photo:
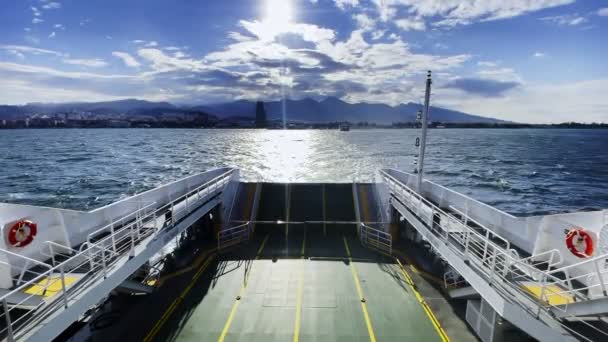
37, 20
21, 83
59, 27
171, 48
30, 50
151, 44
499, 74
267, 31
583, 101
378, 34
344, 4
449, 13
92, 63
364, 22
51, 5
408, 24
487, 63
483, 87
566, 19
52, 35
603, 12
127, 59
539, 54
16, 54
35, 11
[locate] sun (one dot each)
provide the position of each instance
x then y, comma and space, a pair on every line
278, 14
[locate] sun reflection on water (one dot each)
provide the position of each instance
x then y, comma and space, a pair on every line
285, 155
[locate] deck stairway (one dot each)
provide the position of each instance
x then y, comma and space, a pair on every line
49, 297
532, 295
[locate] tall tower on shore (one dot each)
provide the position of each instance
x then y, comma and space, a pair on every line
260, 115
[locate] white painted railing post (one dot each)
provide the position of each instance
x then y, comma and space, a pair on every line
132, 251
542, 294
63, 291
569, 281
103, 262
112, 235
9, 325
155, 223
599, 277
492, 270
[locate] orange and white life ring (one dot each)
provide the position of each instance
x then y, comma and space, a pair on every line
575, 238
22, 233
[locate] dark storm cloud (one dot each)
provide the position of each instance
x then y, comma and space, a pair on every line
483, 87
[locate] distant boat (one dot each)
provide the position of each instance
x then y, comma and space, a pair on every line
344, 127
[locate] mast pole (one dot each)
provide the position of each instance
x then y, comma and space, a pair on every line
425, 117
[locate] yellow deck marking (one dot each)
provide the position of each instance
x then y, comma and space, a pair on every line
241, 294
159, 324
199, 260
296, 330
368, 322
552, 294
48, 287
425, 307
414, 269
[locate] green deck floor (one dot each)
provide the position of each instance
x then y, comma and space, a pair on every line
321, 282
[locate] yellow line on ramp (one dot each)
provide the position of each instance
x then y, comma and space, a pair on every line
368, 322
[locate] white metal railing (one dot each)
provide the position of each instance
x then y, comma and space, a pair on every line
93, 260
232, 236
501, 266
376, 238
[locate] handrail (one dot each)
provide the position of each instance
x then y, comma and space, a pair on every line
226, 236
116, 243
498, 262
43, 264
379, 239
113, 221
51, 254
467, 218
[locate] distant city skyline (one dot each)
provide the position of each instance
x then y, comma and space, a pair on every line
535, 61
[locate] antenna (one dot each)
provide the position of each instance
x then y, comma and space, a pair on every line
422, 142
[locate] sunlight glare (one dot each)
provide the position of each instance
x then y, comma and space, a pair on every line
278, 14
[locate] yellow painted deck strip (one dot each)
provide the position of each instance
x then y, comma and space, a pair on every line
296, 330
552, 294
197, 262
163, 319
368, 322
48, 287
425, 307
235, 306
411, 266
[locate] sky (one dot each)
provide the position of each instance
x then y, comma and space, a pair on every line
538, 61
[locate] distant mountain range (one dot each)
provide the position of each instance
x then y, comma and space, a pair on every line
333, 109
306, 110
